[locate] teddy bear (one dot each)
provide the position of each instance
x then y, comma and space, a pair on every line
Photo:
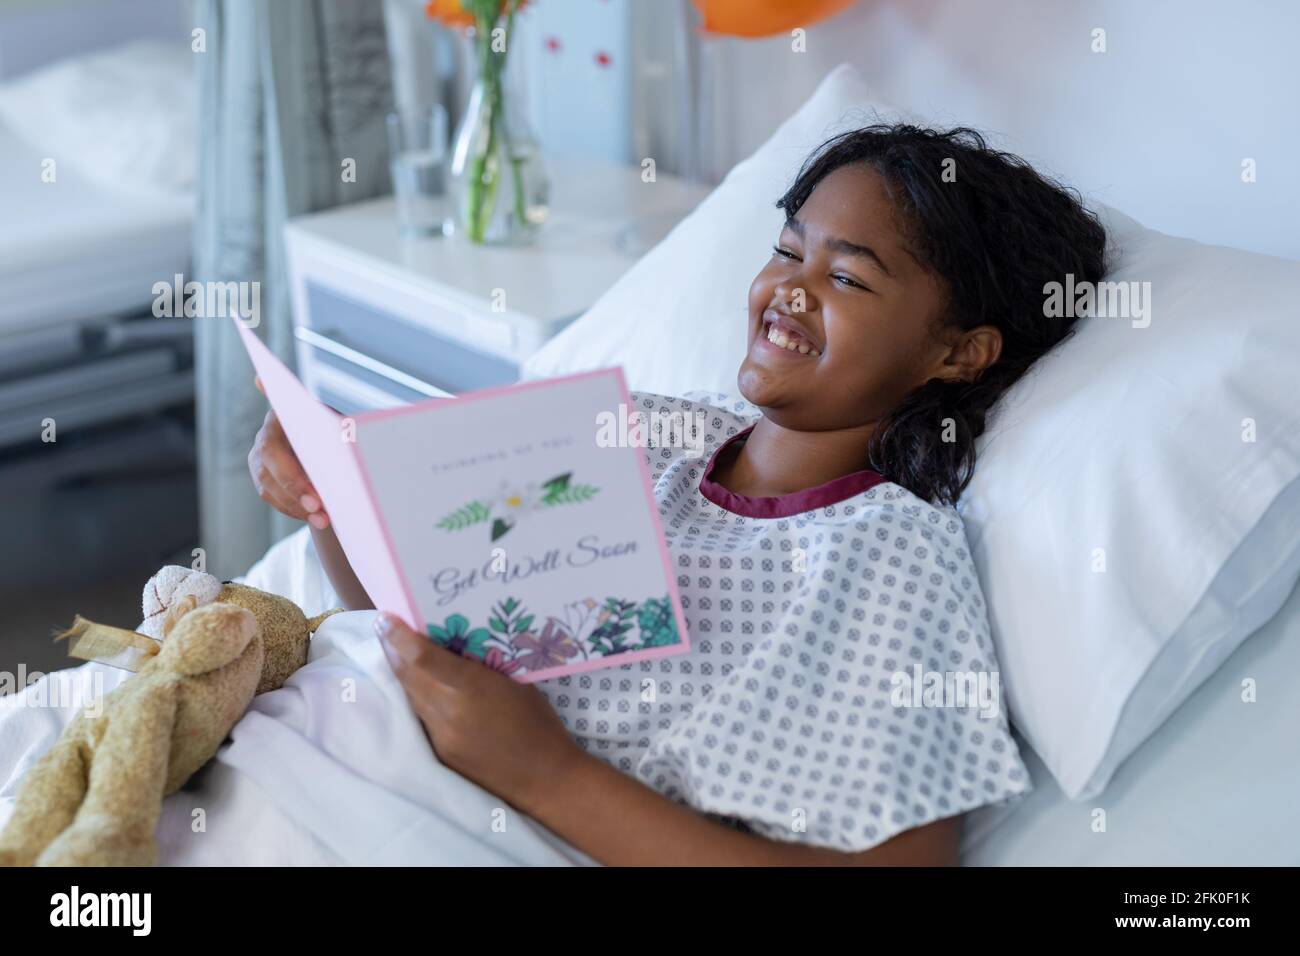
205, 648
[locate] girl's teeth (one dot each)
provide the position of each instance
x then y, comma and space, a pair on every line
778, 338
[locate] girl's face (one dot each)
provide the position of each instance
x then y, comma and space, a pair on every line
843, 288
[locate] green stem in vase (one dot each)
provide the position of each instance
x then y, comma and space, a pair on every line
478, 170
484, 177
491, 162
516, 164
517, 179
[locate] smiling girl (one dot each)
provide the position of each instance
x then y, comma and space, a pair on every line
821, 563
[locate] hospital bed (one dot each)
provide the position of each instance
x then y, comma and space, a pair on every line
1216, 785
79, 259
78, 343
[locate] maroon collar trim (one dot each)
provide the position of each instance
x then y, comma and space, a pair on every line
783, 506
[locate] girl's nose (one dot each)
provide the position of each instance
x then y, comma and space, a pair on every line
795, 297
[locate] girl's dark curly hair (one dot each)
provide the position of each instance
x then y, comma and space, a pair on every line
995, 233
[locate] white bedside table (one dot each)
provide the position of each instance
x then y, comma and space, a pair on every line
382, 319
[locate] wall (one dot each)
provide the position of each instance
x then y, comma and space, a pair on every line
35, 33
1157, 126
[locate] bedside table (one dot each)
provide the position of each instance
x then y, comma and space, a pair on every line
382, 319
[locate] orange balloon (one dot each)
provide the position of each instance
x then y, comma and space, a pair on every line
763, 18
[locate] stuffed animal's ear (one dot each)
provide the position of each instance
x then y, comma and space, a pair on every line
209, 637
177, 611
169, 585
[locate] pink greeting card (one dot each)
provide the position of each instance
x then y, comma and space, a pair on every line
502, 523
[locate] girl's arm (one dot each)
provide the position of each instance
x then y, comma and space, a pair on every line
339, 571
282, 483
619, 821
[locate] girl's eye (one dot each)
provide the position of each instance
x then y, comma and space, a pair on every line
784, 253
845, 280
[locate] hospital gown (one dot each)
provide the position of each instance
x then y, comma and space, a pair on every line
801, 611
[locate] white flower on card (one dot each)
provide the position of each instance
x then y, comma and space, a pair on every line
513, 500
581, 618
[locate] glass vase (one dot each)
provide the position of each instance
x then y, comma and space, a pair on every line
497, 187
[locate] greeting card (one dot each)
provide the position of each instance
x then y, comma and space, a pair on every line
503, 523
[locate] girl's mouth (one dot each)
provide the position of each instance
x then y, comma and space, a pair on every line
782, 336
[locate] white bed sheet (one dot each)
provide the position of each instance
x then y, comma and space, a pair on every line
305, 782
1217, 784
72, 250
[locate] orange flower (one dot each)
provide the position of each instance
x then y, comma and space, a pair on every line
762, 18
452, 13
449, 13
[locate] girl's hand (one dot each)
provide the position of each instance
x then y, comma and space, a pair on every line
279, 477
501, 734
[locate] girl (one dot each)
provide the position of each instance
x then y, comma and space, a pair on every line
840, 701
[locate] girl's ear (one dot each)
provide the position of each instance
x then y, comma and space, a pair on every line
971, 353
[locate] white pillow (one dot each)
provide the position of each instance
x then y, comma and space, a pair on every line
125, 117
1125, 439
1135, 511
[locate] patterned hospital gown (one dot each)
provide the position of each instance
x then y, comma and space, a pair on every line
779, 719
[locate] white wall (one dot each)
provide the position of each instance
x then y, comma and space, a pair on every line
1157, 126
579, 88
36, 32
576, 103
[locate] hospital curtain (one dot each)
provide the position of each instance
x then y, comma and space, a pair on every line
288, 91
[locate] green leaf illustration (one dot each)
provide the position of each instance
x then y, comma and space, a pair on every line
557, 491
569, 494
658, 625
463, 517
456, 635
558, 482
476, 642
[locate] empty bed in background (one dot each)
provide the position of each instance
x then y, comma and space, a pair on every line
97, 190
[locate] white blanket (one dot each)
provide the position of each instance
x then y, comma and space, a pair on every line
331, 769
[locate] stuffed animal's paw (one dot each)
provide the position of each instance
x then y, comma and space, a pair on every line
12, 856
87, 846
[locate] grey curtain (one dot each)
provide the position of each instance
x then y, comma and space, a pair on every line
288, 90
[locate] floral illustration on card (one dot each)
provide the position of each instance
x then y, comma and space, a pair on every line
512, 641
513, 502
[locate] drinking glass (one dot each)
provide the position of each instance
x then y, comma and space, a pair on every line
417, 145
